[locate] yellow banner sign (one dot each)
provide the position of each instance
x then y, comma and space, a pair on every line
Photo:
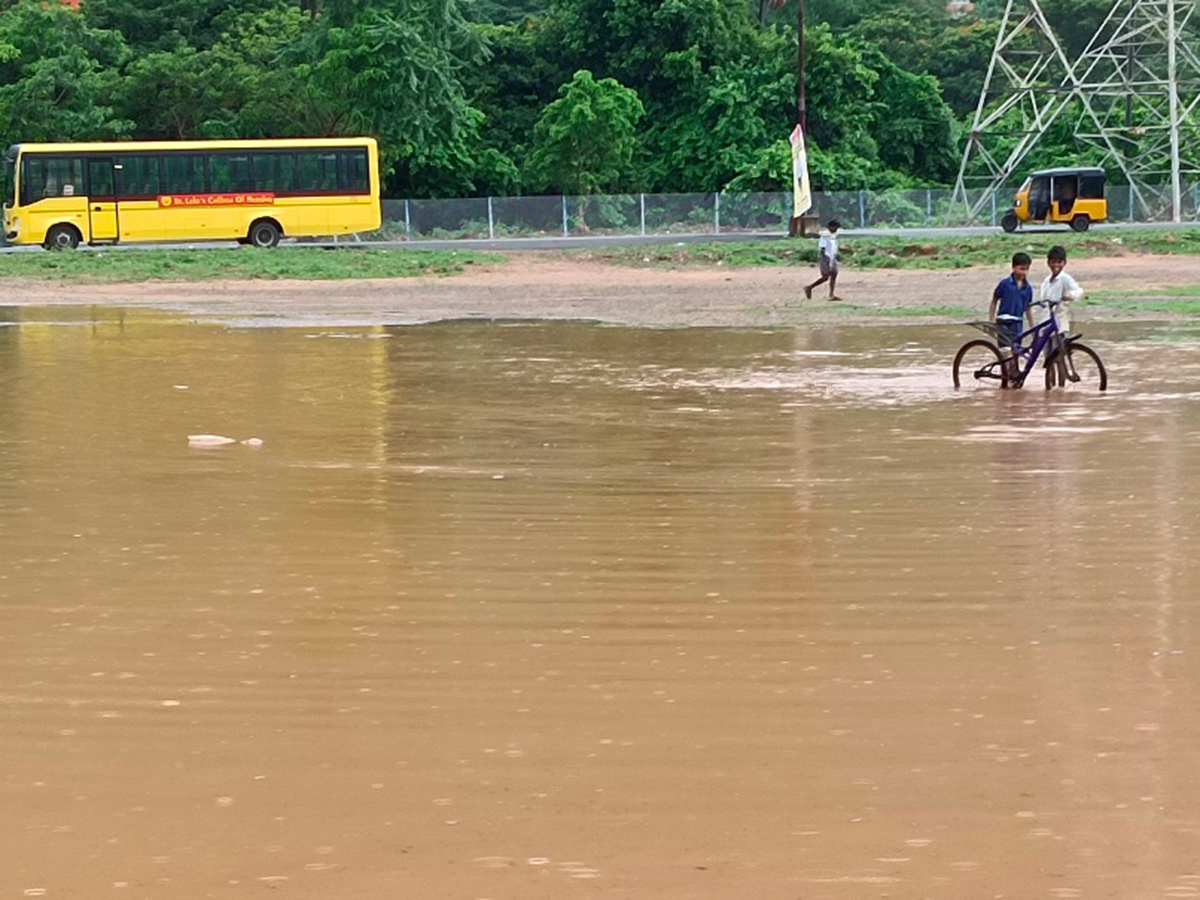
186, 200
801, 190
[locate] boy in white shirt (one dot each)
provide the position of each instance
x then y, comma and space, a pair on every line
1059, 286
827, 250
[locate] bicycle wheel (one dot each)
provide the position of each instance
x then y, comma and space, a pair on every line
1083, 362
977, 366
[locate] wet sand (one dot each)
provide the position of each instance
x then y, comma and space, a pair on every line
551, 287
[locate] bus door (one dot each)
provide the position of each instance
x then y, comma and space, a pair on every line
103, 218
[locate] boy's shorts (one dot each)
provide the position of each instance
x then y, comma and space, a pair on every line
828, 266
1008, 332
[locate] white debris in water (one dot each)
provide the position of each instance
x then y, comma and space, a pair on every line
210, 440
180, 387
220, 440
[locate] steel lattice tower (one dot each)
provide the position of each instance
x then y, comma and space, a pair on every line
1140, 76
1134, 93
1028, 85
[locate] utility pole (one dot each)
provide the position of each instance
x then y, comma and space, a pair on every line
801, 103
796, 226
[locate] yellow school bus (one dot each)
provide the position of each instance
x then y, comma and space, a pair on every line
253, 191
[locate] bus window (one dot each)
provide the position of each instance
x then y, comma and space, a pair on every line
354, 171
231, 172
274, 172
317, 171
100, 178
51, 176
183, 173
139, 176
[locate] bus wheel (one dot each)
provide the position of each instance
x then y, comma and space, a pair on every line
62, 237
264, 233
1009, 223
1080, 222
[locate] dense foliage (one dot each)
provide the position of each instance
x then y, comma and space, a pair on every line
520, 96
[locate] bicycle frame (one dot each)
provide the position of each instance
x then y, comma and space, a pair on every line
1041, 336
1033, 341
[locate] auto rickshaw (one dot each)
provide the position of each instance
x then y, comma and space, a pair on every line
1074, 196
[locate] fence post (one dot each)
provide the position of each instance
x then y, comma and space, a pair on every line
566, 225
716, 212
928, 204
862, 209
407, 223
1196, 200
491, 222
1131, 201
642, 204
993, 208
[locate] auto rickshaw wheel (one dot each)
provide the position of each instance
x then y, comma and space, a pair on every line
1009, 223
1080, 222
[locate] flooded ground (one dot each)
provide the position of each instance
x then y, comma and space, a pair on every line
523, 610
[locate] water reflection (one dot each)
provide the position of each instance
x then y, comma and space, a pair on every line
520, 608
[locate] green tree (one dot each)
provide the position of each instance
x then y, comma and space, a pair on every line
914, 129
585, 140
150, 25
518, 81
390, 68
721, 120
847, 14
171, 94
959, 58
502, 11
231, 88
58, 76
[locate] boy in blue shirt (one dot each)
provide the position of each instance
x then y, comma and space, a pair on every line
1010, 304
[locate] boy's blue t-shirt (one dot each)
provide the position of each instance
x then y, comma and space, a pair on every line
1014, 298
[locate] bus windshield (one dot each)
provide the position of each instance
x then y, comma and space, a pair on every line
8, 181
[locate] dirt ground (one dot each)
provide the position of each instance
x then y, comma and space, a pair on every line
549, 286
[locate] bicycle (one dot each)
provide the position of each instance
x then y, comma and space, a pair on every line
1067, 360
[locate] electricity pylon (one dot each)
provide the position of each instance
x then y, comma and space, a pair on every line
1134, 93
1141, 77
1028, 86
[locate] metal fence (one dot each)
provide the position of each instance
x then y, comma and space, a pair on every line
490, 218
716, 213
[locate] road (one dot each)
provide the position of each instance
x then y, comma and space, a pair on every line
598, 241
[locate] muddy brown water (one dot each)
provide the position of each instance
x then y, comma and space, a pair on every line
527, 610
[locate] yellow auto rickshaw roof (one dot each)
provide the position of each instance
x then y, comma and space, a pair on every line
1068, 170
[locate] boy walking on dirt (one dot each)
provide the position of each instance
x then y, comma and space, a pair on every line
1010, 304
827, 249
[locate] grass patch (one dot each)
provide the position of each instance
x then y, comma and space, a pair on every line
1179, 290
878, 252
945, 312
1181, 307
308, 264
